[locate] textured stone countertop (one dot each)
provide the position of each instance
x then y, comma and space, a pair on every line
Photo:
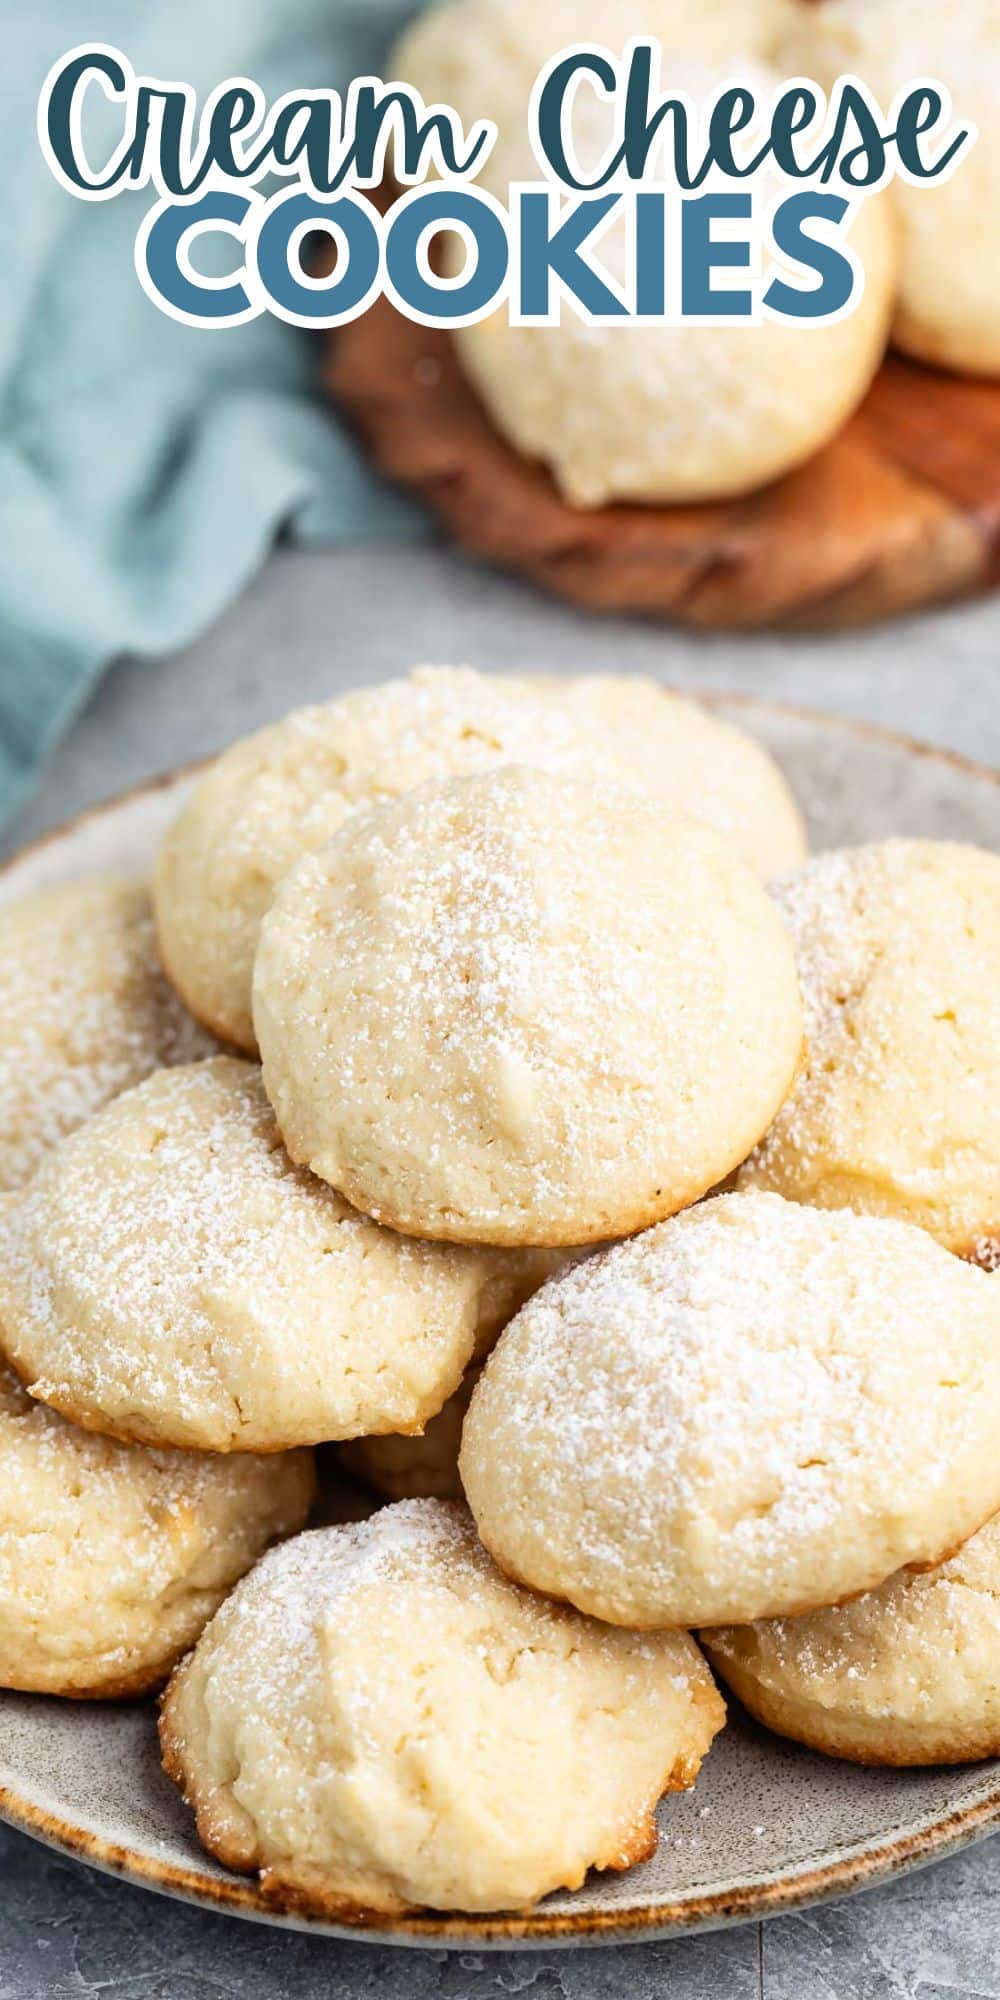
314, 624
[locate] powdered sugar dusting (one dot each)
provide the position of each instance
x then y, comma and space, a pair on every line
378, 1703
285, 791
36, 1438
694, 762
753, 1403
540, 1000
319, 1581
171, 1274
86, 1014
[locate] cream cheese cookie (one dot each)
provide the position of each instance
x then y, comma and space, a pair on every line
636, 412
416, 1468
426, 1467
747, 1412
86, 1013
948, 302
693, 761
517, 1009
284, 791
113, 1558
665, 415
895, 1109
482, 56
171, 1278
377, 1720
906, 1674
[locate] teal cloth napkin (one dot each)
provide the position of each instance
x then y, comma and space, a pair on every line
147, 467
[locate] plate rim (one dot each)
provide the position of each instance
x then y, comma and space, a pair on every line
241, 1896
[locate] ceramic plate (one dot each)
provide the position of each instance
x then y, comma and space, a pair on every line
769, 1826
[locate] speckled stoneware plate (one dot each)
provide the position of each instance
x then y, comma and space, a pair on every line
768, 1827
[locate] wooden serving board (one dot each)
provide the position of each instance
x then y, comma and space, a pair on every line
902, 510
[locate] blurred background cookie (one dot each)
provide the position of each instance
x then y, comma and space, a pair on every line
651, 413
482, 56
855, 491
948, 298
680, 414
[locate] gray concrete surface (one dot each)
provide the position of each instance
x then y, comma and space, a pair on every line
314, 624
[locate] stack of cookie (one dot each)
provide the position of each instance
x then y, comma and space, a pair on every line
474, 998
678, 414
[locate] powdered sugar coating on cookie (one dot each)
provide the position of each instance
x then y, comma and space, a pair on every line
751, 1410
284, 792
170, 1277
86, 1013
515, 1009
415, 1730
895, 1109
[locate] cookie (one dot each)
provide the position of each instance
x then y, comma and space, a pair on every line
169, 1277
426, 1467
948, 296
517, 1009
680, 415
750, 1411
285, 791
416, 1468
895, 1109
635, 412
86, 1013
693, 761
113, 1558
377, 1720
906, 1674
482, 56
